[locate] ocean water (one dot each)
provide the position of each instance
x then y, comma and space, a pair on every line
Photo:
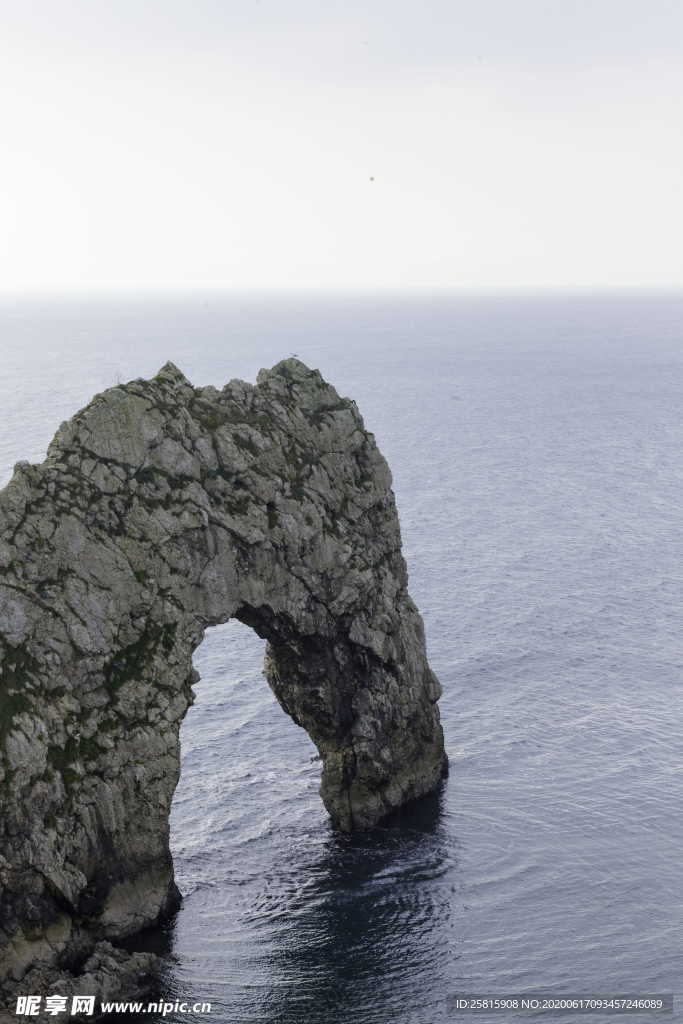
535, 444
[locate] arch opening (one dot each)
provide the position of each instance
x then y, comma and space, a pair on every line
246, 768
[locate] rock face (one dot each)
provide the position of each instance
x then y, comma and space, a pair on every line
163, 509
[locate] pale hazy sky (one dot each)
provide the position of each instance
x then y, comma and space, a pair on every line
155, 144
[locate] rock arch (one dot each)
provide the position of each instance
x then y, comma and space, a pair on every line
163, 509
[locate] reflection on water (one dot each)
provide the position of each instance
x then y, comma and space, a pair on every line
371, 928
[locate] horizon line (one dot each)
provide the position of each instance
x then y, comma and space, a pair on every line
171, 292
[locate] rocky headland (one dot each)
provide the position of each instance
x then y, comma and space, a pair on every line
160, 510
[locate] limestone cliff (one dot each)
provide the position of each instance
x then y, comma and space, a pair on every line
162, 509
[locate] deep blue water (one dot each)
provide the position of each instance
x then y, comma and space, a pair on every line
536, 450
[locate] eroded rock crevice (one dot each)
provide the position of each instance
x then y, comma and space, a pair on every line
160, 510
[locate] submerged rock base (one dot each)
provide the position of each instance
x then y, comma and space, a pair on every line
163, 509
106, 974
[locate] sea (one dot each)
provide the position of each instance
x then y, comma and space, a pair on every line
536, 448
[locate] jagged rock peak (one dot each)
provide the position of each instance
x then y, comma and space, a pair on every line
170, 372
291, 368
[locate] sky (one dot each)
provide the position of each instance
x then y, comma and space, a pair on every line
296, 145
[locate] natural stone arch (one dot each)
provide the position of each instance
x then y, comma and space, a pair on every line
161, 510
